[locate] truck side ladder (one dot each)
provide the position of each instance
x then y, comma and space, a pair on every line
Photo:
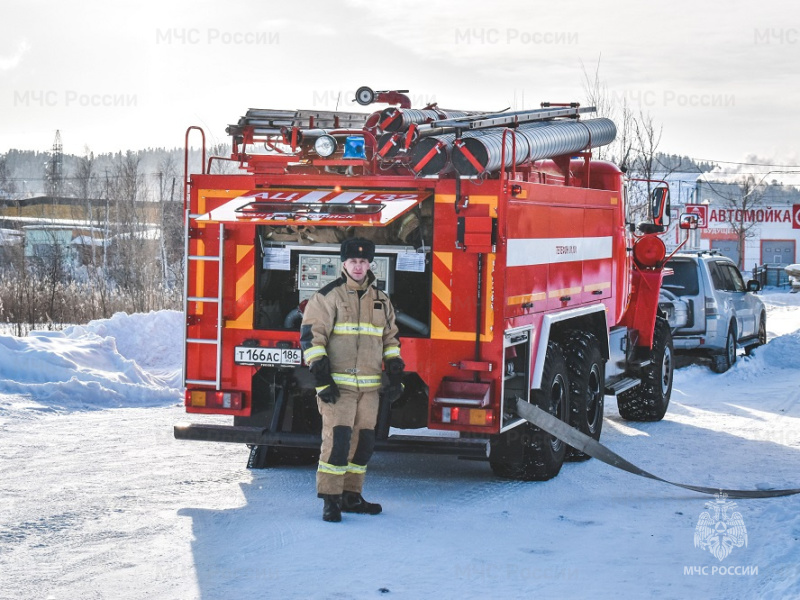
216, 341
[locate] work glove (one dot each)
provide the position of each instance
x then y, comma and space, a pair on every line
394, 372
327, 390
328, 394
395, 366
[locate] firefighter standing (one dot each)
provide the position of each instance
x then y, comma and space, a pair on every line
348, 330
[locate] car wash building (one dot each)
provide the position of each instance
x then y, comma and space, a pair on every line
768, 214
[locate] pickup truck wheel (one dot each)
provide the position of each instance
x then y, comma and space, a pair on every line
649, 401
762, 335
586, 367
722, 362
527, 452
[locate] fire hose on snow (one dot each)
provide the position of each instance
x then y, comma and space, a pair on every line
582, 442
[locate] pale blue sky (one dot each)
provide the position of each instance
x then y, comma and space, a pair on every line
721, 77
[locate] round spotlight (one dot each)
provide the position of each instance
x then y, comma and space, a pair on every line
325, 145
365, 96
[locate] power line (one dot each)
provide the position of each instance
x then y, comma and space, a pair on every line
746, 164
710, 174
92, 177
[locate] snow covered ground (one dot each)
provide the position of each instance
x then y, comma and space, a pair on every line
97, 500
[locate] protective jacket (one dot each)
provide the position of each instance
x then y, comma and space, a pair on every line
354, 326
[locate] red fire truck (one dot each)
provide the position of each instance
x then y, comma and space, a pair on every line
504, 247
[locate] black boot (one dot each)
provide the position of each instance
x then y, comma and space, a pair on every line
353, 502
332, 510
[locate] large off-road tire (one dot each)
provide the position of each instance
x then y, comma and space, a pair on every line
762, 335
649, 401
527, 452
724, 361
587, 368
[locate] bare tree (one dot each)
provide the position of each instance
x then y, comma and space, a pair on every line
621, 151
597, 93
132, 263
738, 201
8, 188
222, 166
16, 307
90, 186
55, 271
648, 138
128, 189
623, 148
86, 187
171, 239
50, 267
645, 165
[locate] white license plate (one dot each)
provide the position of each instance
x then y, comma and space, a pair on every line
255, 355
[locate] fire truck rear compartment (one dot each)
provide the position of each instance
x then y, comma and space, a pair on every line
289, 272
290, 268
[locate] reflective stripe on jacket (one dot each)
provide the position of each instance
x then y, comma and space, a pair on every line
356, 334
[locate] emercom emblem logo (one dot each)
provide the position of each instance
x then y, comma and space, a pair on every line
720, 531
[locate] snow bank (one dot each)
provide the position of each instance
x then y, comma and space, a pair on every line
783, 352
778, 360
153, 340
122, 361
781, 311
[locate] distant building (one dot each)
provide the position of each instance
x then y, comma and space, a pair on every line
69, 228
11, 237
775, 234
10, 240
775, 222
71, 244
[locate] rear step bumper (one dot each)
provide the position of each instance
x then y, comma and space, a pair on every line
471, 448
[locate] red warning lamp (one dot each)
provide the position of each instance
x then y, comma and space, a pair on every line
649, 251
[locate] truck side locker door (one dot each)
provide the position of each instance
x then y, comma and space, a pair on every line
598, 268
565, 271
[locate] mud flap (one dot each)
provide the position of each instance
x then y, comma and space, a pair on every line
259, 457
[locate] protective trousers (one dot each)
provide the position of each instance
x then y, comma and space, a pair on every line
348, 439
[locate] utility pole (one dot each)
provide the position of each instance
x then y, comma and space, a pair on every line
162, 243
105, 235
55, 168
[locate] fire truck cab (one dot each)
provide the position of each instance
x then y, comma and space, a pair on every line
505, 249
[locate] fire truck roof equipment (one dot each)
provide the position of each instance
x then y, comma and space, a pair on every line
476, 155
317, 206
428, 141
